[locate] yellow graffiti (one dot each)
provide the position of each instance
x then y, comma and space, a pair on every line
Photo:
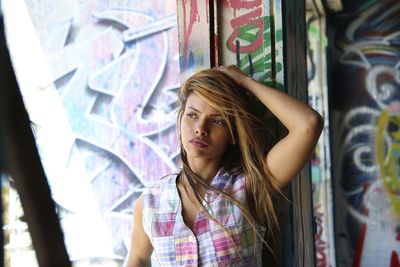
388, 158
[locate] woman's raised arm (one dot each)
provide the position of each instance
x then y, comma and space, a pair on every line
304, 126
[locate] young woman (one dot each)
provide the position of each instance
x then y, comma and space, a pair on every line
217, 210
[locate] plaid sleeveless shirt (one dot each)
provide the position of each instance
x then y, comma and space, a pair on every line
209, 244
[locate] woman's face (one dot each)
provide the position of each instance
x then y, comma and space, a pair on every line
204, 132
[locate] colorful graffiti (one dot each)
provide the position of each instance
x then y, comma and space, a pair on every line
195, 40
388, 155
251, 38
368, 96
115, 69
321, 160
246, 33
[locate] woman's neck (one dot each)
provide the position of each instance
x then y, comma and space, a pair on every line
204, 169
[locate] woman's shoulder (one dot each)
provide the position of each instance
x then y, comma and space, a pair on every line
166, 182
151, 194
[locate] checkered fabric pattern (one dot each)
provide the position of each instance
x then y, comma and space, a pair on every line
207, 244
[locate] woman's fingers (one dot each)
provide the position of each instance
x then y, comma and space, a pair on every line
234, 72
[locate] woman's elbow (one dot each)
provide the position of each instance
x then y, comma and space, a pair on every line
314, 124
138, 262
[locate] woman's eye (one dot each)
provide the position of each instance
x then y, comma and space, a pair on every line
218, 122
191, 115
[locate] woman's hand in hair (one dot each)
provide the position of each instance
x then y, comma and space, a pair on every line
235, 73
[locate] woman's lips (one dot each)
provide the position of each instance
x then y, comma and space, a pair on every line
198, 143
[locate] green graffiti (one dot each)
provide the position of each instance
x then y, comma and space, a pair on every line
315, 34
261, 62
388, 158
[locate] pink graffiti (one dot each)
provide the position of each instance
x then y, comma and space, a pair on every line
193, 16
320, 244
251, 18
238, 4
131, 91
117, 76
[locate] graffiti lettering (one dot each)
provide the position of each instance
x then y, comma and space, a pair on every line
258, 62
237, 4
252, 18
193, 16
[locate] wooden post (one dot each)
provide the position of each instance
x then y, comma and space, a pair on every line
299, 234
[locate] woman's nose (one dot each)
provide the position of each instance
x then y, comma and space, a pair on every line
201, 129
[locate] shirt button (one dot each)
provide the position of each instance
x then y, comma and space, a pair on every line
191, 238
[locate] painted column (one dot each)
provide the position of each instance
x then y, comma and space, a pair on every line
321, 172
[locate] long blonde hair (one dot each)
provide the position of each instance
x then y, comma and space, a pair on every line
247, 155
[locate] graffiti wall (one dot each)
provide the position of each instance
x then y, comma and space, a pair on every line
196, 36
366, 106
321, 159
250, 37
247, 34
103, 111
